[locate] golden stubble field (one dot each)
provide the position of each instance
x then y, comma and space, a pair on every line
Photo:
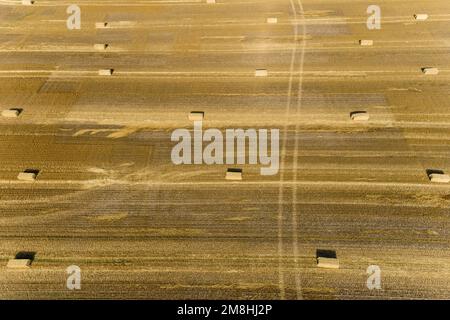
109, 200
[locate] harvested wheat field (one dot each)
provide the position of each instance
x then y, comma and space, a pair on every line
87, 176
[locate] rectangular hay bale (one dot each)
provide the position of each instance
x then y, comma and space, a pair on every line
101, 25
101, 46
18, 263
105, 72
196, 116
234, 174
421, 16
328, 263
10, 113
366, 43
430, 71
439, 178
359, 116
261, 73
27, 176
